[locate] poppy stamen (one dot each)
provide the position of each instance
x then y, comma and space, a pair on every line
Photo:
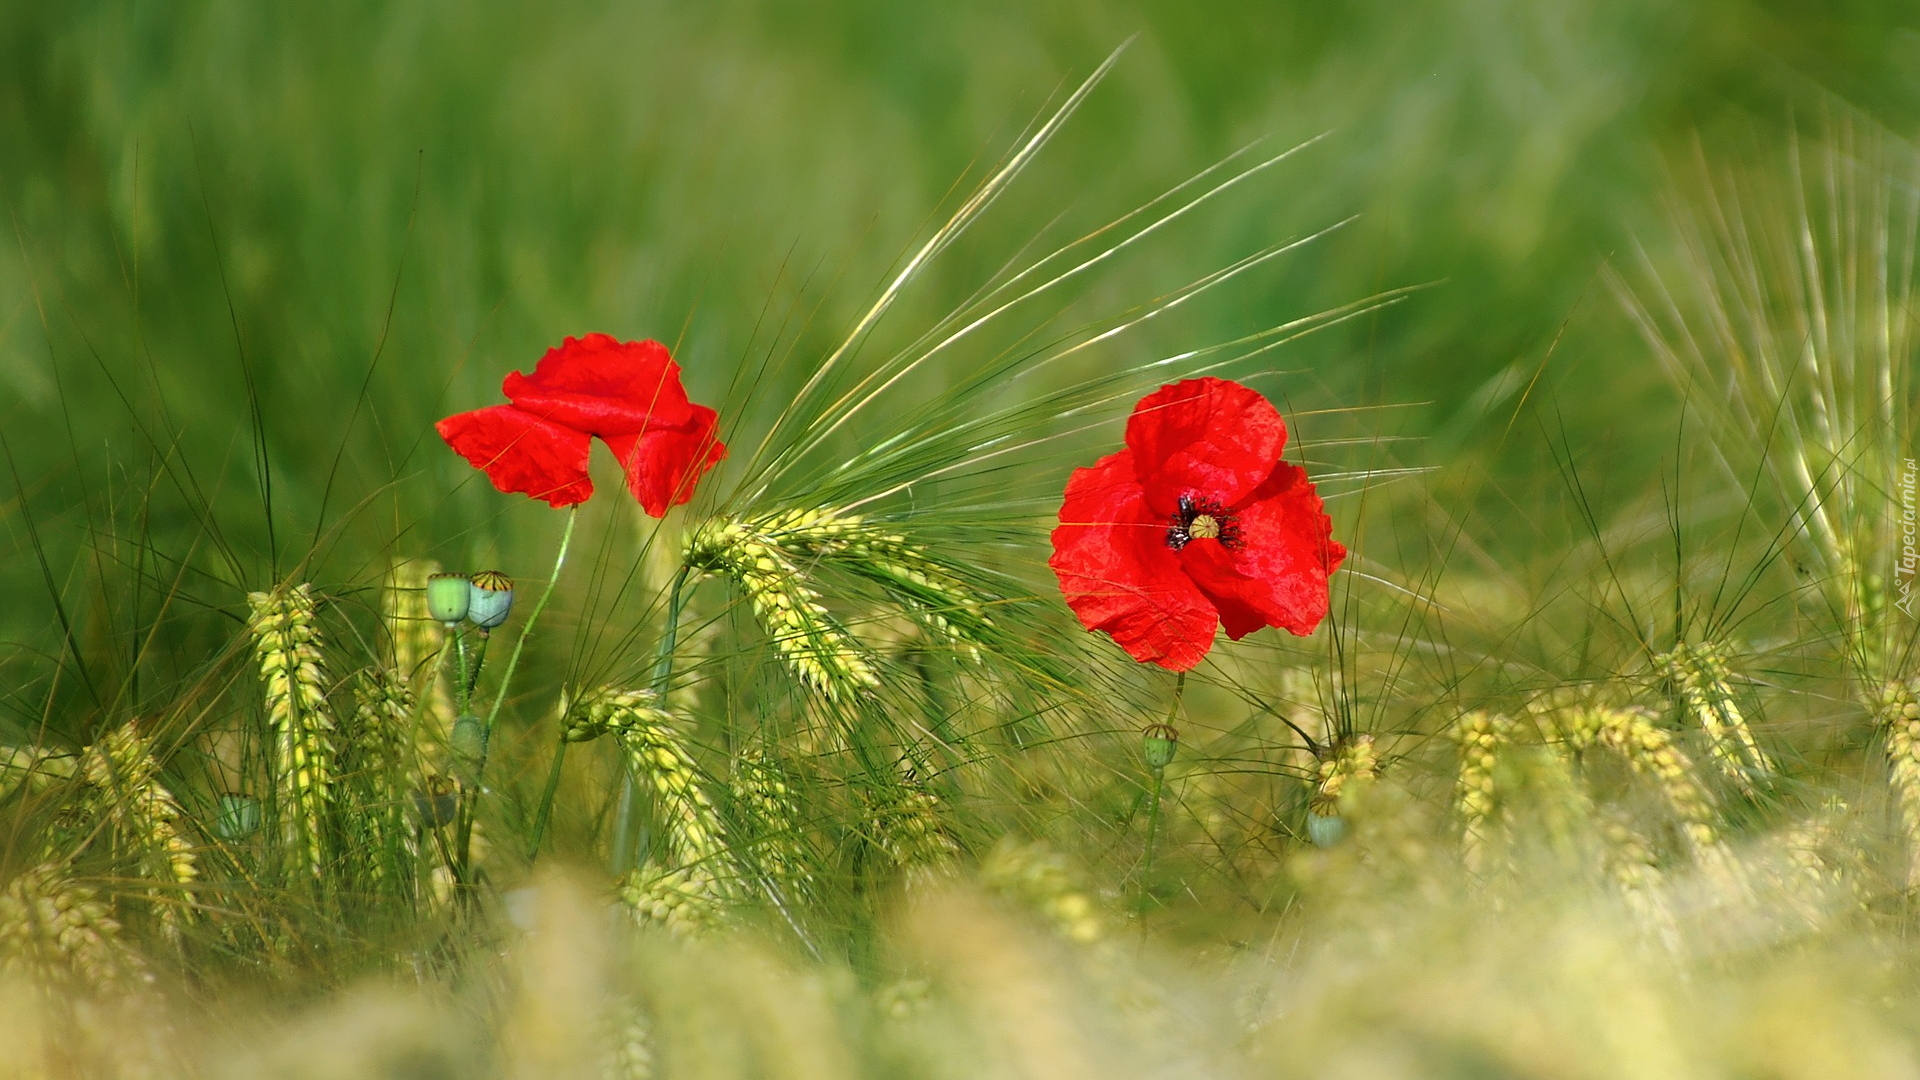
1201, 518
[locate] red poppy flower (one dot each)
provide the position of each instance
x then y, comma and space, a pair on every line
626, 392
1195, 524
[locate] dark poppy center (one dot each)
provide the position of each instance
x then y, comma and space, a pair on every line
1201, 518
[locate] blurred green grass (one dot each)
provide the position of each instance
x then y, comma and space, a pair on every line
203, 196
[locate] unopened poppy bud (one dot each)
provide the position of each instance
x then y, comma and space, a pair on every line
468, 747
448, 596
238, 817
1157, 746
489, 599
1325, 830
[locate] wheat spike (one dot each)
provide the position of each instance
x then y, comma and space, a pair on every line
689, 895
415, 640
1343, 771
1898, 713
932, 593
125, 776
378, 762
820, 650
53, 928
34, 768
907, 826
687, 900
632, 1037
1479, 736
1706, 690
1650, 752
286, 642
770, 822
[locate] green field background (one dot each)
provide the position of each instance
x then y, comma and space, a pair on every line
253, 251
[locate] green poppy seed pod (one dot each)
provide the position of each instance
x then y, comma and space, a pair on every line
438, 803
1325, 830
489, 598
238, 817
1157, 746
448, 596
468, 748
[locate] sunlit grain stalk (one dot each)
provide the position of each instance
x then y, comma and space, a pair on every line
1344, 769
770, 833
53, 929
379, 766
930, 592
1699, 671
632, 1056
658, 692
415, 641
1479, 736
33, 768
821, 651
287, 645
1650, 751
1898, 714
700, 879
908, 829
125, 775
1788, 323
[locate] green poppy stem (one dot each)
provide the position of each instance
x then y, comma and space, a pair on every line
506, 683
463, 688
662, 675
1153, 806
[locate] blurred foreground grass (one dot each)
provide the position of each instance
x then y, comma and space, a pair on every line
1607, 765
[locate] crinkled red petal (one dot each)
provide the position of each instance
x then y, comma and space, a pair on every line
1110, 552
604, 386
521, 452
664, 464
1277, 574
1206, 437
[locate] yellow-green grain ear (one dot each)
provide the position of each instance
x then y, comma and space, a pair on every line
287, 646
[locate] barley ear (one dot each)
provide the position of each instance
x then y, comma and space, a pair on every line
1700, 673
379, 766
821, 652
1651, 752
691, 893
415, 639
287, 645
124, 776
1480, 736
1897, 711
52, 929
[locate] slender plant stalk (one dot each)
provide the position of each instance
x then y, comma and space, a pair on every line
662, 675
464, 850
463, 686
1153, 802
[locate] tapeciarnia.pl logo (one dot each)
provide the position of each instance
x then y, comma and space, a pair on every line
1903, 571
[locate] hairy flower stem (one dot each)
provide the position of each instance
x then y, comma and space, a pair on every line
662, 675
465, 847
1153, 803
463, 687
479, 661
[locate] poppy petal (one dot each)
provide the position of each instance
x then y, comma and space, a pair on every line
521, 452
1277, 574
1207, 437
603, 386
664, 464
1118, 574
